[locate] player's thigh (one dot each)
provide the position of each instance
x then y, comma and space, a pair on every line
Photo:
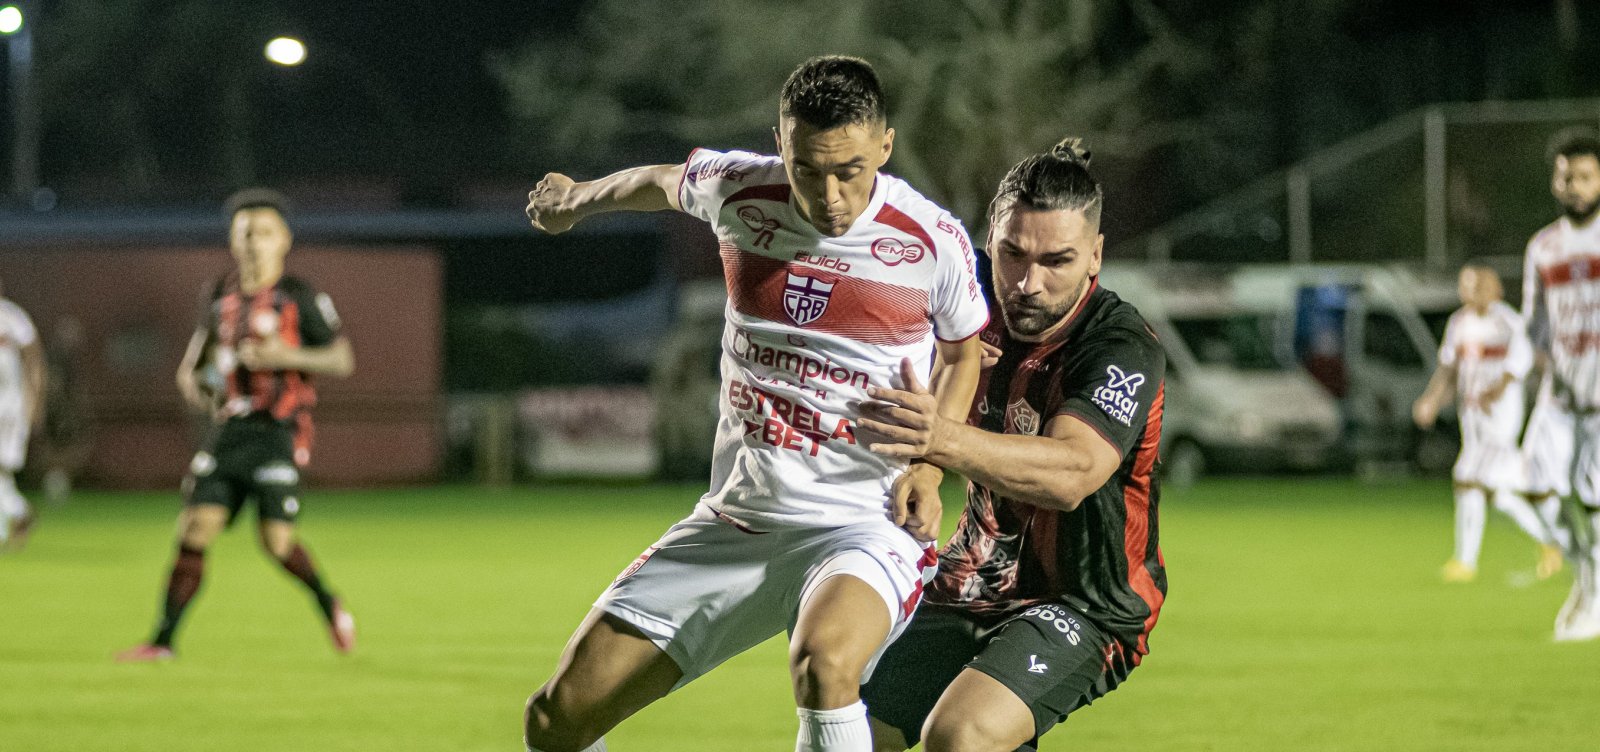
276, 536
199, 524
915, 669
1051, 658
977, 713
705, 592
1548, 448
835, 607
608, 671
1586, 468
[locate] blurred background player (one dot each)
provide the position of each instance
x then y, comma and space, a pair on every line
21, 408
835, 273
267, 334
1048, 590
1561, 448
1483, 360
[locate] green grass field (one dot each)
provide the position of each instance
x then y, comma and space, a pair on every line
1304, 614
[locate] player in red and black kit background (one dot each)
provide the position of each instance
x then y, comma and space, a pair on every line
1049, 588
263, 337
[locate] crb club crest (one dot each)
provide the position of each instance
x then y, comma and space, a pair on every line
891, 252
761, 224
1023, 418
805, 299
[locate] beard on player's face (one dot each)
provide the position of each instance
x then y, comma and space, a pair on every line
1579, 210
1032, 315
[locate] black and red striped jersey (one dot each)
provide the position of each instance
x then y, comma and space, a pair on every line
291, 310
1105, 368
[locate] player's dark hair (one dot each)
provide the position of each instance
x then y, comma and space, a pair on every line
1058, 179
1573, 142
833, 91
256, 198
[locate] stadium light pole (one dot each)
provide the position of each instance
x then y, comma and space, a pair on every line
16, 28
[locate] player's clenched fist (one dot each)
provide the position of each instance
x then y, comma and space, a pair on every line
548, 208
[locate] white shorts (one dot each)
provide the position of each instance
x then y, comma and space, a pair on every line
1489, 455
1561, 450
13, 439
711, 589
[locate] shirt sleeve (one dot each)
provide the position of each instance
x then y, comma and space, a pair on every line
1447, 343
1113, 383
22, 329
958, 308
319, 322
710, 177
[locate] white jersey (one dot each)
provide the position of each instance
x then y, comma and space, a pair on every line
1484, 349
1561, 299
811, 322
16, 332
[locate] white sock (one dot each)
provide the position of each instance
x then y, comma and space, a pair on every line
598, 746
840, 730
1521, 511
1470, 511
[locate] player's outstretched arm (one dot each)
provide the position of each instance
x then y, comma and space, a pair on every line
557, 202
1441, 387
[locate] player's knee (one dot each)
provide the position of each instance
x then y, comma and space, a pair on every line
556, 721
823, 678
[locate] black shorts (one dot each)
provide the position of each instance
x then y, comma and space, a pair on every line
1049, 655
249, 458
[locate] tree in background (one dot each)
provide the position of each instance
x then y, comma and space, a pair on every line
973, 85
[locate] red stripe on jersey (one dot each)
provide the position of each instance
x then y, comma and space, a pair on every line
1466, 352
1574, 270
260, 381
1136, 532
865, 310
778, 192
293, 385
903, 222
227, 334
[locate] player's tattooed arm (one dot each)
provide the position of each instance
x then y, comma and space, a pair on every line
558, 202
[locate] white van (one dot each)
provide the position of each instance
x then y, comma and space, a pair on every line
1236, 396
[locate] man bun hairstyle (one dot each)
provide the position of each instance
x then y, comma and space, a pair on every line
1574, 142
256, 198
1055, 180
833, 91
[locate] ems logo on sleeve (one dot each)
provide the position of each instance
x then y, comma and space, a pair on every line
1116, 395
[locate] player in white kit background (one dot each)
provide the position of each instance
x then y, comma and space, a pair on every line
1482, 363
21, 408
1561, 300
839, 278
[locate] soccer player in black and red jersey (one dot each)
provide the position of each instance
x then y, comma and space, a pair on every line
266, 335
1053, 580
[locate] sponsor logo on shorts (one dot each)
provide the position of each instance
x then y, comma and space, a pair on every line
277, 474
637, 563
1063, 622
1034, 666
291, 506
203, 464
1116, 395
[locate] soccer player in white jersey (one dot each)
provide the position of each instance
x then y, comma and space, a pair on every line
21, 405
1482, 362
1561, 286
839, 278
